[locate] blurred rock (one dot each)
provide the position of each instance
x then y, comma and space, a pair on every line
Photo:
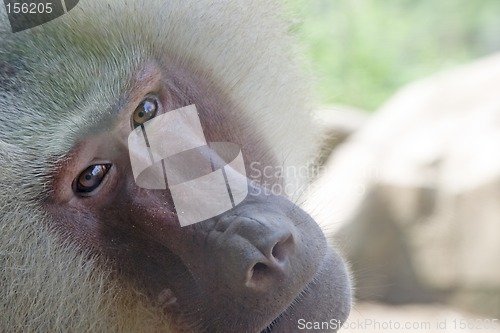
414, 196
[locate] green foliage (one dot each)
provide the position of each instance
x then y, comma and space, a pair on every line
364, 50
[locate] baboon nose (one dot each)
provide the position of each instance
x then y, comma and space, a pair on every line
273, 267
263, 249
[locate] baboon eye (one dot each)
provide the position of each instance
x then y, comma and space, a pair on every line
91, 178
145, 111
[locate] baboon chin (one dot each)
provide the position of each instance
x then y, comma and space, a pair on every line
176, 231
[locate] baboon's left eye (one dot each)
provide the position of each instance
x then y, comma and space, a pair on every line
90, 178
145, 111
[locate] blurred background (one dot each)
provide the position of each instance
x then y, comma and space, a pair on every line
364, 50
409, 187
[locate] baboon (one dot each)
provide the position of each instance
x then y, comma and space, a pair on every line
83, 247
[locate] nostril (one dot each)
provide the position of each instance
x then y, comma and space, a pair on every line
272, 263
282, 249
259, 267
258, 275
259, 272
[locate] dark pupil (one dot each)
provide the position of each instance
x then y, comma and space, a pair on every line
91, 178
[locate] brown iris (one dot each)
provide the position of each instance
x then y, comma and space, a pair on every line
91, 178
145, 111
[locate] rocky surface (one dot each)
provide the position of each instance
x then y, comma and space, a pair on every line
414, 195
